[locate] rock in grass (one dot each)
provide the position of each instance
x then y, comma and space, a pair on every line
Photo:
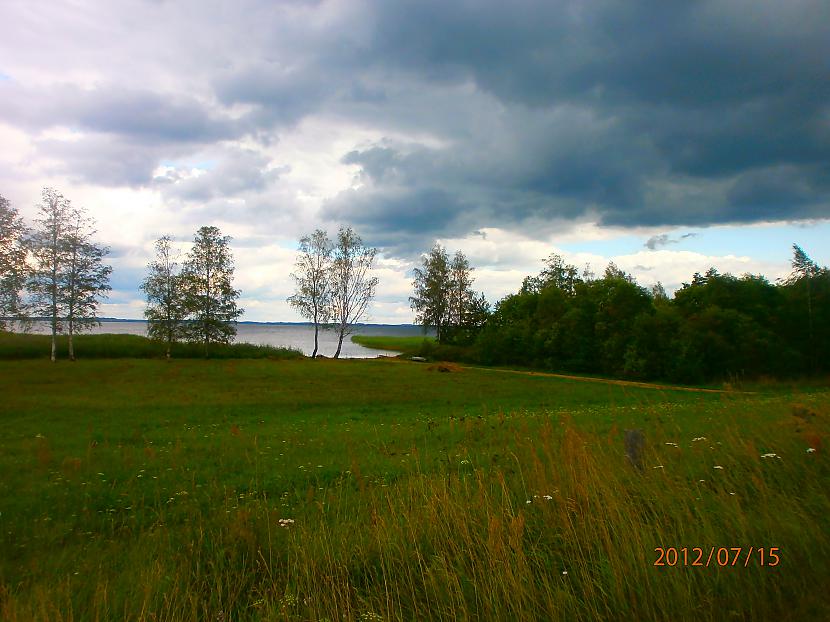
635, 442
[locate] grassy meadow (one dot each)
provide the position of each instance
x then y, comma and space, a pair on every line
221, 490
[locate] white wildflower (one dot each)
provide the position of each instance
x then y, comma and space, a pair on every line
717, 466
699, 438
811, 450
770, 456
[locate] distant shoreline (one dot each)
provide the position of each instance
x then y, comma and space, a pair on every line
115, 319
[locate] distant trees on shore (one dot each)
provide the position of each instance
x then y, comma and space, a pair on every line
443, 297
333, 282
55, 270
718, 326
196, 302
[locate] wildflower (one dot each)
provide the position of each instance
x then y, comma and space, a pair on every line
672, 444
564, 572
699, 438
529, 501
659, 466
811, 450
770, 456
717, 466
547, 497
286, 522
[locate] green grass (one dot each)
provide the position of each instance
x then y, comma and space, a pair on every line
395, 344
153, 490
15, 346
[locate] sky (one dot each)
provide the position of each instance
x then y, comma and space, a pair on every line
665, 136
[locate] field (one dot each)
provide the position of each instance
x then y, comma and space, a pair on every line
388, 490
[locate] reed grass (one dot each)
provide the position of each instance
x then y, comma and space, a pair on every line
17, 346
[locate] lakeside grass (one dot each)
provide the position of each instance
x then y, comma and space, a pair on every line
154, 490
17, 346
393, 343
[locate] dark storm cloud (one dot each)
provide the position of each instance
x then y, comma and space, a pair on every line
716, 97
512, 115
143, 116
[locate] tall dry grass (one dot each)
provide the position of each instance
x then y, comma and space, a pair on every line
550, 523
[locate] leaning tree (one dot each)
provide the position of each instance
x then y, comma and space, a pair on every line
312, 271
352, 286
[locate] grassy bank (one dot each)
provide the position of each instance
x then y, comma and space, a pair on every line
426, 347
343, 490
395, 344
15, 346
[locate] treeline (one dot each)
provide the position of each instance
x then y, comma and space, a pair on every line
54, 270
717, 327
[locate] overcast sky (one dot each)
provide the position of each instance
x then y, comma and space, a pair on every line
667, 136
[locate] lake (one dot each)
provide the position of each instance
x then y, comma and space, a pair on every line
299, 336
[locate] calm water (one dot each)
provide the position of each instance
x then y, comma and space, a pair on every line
300, 336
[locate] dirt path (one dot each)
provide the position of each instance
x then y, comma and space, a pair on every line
624, 383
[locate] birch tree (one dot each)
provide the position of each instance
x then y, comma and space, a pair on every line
431, 299
49, 251
209, 296
312, 271
13, 268
164, 288
352, 287
86, 278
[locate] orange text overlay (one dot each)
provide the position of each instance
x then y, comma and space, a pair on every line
717, 556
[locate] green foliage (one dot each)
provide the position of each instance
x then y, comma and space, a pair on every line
68, 277
163, 286
443, 297
313, 285
718, 327
406, 345
351, 284
362, 490
208, 293
13, 269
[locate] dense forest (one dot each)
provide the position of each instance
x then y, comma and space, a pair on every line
717, 327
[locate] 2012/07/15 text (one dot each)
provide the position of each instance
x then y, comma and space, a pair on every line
717, 556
